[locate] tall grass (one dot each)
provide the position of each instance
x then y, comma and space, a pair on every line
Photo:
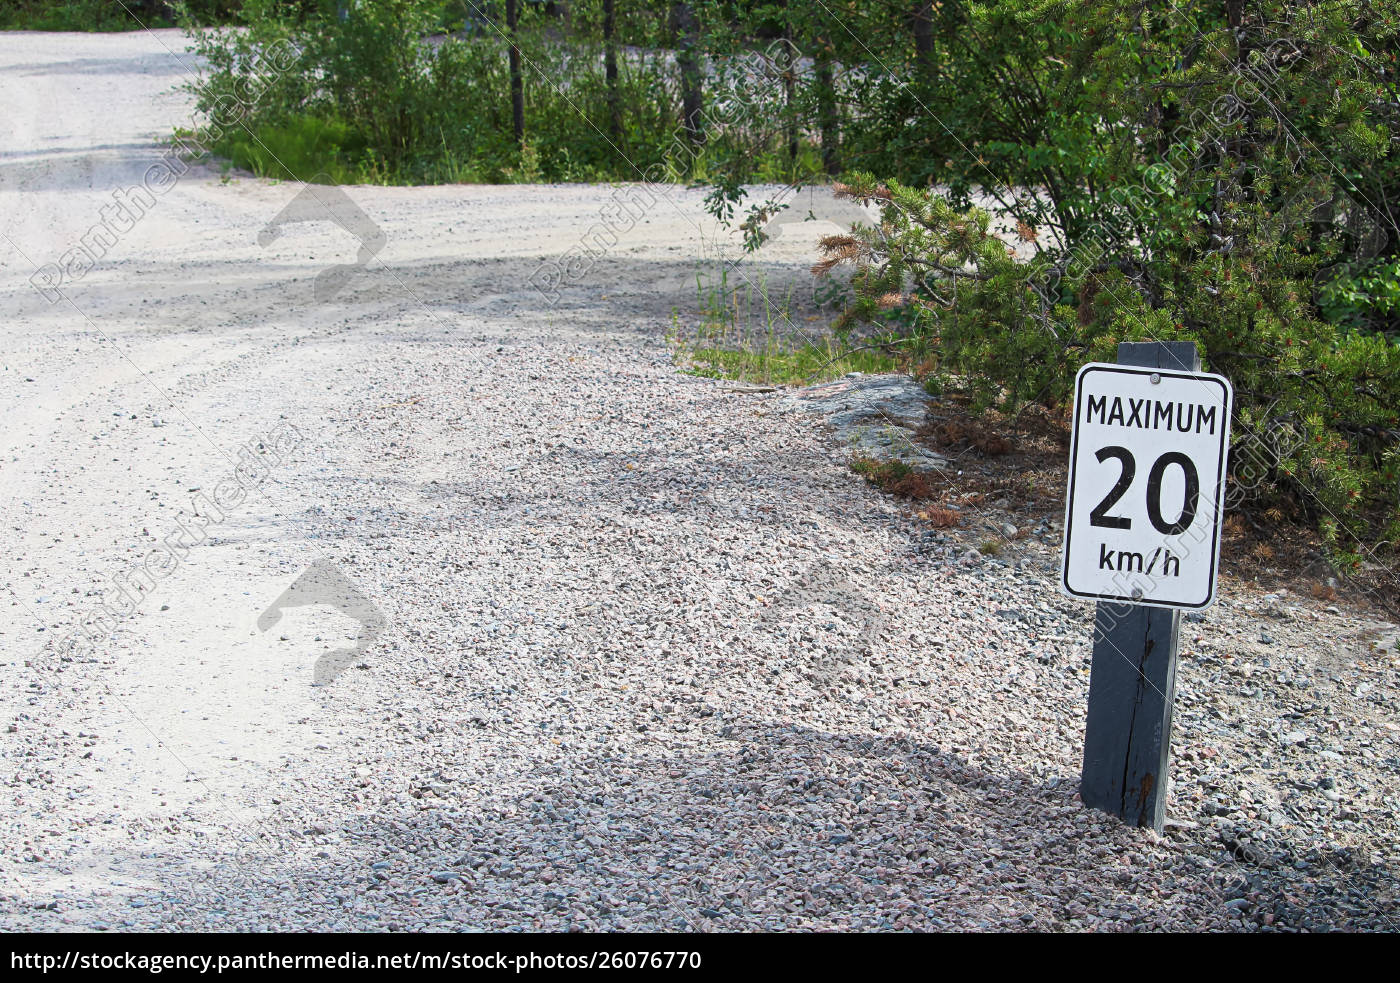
753, 332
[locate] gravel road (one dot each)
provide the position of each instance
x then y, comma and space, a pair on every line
601, 645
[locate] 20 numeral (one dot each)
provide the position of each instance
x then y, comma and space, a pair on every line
1191, 499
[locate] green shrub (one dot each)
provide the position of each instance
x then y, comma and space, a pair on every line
1325, 398
367, 98
73, 15
1365, 299
1230, 216
418, 106
106, 15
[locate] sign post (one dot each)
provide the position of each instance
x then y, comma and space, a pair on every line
1142, 537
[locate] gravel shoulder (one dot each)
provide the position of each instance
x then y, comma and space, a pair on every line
653, 657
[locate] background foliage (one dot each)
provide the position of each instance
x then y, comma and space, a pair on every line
1224, 175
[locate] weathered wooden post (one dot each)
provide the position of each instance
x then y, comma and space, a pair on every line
1158, 413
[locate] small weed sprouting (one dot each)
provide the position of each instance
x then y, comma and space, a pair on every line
894, 477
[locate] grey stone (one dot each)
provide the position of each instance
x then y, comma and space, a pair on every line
876, 416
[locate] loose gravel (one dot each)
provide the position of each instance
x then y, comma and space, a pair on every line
655, 658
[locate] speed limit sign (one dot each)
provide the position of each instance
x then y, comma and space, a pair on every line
1146, 485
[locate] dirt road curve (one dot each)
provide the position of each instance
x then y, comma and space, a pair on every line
601, 645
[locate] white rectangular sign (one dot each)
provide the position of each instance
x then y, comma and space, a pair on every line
1146, 485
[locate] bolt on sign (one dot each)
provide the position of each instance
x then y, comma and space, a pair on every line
1146, 485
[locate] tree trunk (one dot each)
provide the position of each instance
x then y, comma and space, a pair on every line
610, 72
827, 120
921, 25
688, 61
517, 81
789, 67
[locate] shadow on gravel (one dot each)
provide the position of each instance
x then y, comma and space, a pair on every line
1289, 886
751, 826
775, 825
620, 298
779, 826
142, 64
122, 165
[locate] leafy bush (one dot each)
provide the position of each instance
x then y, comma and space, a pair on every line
1175, 178
104, 15
66, 15
1367, 300
388, 99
